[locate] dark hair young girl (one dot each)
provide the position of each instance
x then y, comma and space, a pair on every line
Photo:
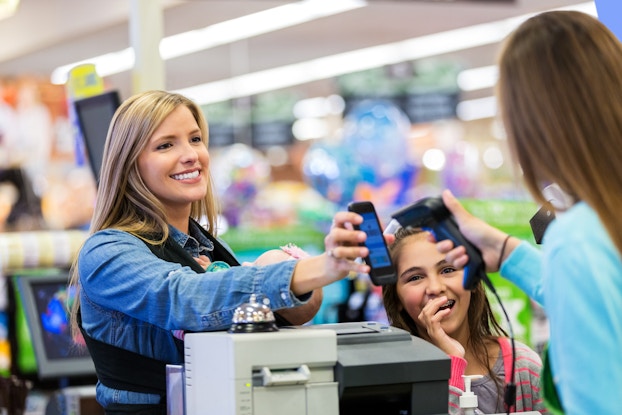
430, 302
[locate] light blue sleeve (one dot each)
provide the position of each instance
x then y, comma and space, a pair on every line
523, 267
583, 297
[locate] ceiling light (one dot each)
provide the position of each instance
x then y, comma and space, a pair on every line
478, 78
309, 129
476, 109
434, 159
218, 34
8, 8
486, 77
253, 25
362, 59
493, 157
319, 107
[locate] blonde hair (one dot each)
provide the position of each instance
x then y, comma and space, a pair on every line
560, 94
123, 200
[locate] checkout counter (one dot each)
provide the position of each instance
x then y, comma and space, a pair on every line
328, 369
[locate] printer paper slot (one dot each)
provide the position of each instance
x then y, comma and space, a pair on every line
293, 376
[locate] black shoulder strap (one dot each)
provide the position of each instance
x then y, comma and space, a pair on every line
171, 251
220, 252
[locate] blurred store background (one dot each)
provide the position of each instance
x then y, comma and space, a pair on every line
311, 105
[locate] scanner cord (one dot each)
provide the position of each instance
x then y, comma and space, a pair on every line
509, 396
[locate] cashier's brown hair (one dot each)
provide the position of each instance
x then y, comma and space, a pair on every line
560, 96
123, 200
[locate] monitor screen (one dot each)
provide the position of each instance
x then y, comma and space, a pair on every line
94, 115
46, 299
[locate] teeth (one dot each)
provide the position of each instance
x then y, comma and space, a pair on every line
186, 176
448, 304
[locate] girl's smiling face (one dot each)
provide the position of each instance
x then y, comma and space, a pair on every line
428, 284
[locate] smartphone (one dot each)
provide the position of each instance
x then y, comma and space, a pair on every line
382, 268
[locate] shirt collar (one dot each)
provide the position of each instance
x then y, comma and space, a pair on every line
195, 242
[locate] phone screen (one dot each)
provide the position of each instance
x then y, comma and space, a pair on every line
378, 255
382, 269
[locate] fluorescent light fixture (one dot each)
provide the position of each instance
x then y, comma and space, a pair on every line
476, 109
319, 107
218, 34
253, 25
8, 8
486, 77
362, 59
309, 129
478, 78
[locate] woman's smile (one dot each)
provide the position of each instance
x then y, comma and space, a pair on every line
186, 176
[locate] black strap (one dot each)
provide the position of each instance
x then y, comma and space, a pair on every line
125, 370
171, 251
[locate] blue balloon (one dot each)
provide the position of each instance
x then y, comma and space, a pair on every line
327, 169
370, 161
375, 131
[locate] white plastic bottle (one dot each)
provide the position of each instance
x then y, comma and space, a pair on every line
468, 400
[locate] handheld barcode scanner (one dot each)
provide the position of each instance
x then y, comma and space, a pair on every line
431, 214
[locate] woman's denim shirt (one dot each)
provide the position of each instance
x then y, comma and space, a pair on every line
134, 300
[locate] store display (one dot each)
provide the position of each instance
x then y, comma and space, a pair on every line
46, 300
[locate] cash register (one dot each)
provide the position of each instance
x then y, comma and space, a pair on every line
360, 368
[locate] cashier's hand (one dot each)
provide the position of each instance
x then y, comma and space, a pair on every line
488, 239
431, 318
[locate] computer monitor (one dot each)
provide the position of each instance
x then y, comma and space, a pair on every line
94, 115
45, 299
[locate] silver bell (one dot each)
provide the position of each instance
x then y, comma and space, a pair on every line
253, 317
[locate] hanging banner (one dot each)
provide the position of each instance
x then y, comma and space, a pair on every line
82, 82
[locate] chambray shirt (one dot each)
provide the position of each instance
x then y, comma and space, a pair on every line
134, 300
577, 277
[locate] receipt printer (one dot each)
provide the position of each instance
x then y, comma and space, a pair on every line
362, 368
268, 373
